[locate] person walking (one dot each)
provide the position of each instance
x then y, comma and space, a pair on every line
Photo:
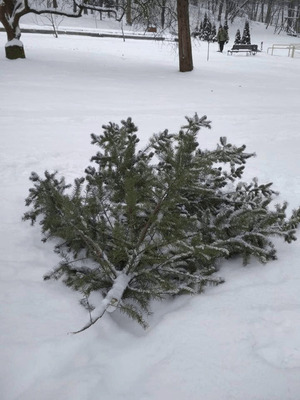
222, 38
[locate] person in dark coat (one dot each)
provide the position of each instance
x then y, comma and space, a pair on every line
222, 38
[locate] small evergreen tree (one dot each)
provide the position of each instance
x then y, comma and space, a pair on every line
213, 33
237, 39
207, 30
205, 27
150, 223
201, 28
246, 39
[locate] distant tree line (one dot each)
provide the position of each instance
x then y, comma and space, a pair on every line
206, 30
154, 15
283, 14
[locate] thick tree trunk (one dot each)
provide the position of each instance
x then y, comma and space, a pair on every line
14, 47
184, 36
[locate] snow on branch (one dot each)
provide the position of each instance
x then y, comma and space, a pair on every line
110, 301
22, 7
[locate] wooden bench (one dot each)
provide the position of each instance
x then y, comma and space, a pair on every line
249, 49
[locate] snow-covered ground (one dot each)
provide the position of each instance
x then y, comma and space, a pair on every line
239, 341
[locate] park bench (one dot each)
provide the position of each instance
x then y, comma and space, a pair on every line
244, 48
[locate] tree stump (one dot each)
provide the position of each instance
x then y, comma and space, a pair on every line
14, 51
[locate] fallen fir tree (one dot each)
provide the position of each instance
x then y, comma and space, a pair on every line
151, 223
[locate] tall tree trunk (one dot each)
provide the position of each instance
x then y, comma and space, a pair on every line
291, 17
297, 24
184, 36
269, 11
129, 12
163, 13
262, 12
220, 10
227, 8
255, 11
14, 47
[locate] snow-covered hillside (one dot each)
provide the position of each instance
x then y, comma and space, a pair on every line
238, 341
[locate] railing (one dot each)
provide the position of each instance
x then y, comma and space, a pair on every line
292, 47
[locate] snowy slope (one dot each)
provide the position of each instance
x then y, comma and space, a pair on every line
239, 341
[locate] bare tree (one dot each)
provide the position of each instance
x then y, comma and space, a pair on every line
50, 19
11, 11
162, 14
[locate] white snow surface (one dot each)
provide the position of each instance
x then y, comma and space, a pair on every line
14, 42
238, 341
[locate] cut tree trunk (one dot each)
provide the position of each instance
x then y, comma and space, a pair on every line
111, 300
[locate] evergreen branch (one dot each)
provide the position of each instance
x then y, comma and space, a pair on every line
105, 213
96, 249
111, 300
91, 323
132, 263
172, 259
155, 229
94, 246
243, 244
151, 220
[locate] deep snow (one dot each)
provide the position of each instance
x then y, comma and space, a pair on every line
239, 341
